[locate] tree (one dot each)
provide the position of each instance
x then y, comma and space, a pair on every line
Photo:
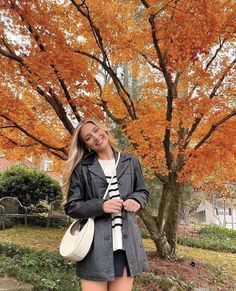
163, 71
30, 185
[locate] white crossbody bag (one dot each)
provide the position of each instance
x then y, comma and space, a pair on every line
76, 242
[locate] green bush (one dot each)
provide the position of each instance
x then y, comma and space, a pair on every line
218, 231
29, 185
211, 237
44, 270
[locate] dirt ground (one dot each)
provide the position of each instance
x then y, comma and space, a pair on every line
187, 271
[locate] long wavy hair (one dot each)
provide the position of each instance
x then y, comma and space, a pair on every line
78, 150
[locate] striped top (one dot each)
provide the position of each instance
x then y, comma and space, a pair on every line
108, 166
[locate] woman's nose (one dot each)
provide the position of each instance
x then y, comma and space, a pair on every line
96, 136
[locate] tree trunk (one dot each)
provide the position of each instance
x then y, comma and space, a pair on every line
173, 216
163, 207
161, 243
163, 228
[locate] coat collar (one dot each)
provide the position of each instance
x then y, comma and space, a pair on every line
94, 166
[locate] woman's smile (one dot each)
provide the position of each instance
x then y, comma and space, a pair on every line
99, 141
95, 138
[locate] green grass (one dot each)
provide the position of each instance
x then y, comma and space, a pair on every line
37, 238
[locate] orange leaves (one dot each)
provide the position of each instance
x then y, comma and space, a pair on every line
213, 163
186, 29
145, 137
113, 101
62, 52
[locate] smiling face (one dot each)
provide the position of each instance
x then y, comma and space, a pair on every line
94, 137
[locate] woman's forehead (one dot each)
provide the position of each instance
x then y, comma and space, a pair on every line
87, 128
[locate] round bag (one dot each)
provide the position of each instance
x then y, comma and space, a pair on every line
76, 243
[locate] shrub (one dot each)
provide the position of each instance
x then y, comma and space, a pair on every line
218, 231
44, 270
29, 185
208, 243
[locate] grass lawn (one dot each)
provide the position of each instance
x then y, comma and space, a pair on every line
37, 238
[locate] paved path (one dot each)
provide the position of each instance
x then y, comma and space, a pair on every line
11, 284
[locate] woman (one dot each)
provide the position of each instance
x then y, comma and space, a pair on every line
117, 254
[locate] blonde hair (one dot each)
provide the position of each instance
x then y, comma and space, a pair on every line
78, 150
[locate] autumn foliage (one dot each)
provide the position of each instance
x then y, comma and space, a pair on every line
162, 71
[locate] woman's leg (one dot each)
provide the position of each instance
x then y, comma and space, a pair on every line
87, 285
124, 283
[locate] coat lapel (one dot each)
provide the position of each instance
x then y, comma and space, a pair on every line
96, 169
122, 166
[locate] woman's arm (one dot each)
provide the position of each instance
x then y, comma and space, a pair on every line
76, 205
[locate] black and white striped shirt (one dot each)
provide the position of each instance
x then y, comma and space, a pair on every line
108, 166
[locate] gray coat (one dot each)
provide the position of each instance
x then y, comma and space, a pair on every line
88, 184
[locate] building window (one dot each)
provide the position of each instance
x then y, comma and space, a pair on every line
202, 216
223, 211
48, 166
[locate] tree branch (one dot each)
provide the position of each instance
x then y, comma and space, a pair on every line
211, 96
56, 104
9, 55
103, 104
171, 87
105, 62
119, 87
62, 149
7, 126
154, 66
215, 54
58, 155
220, 81
67, 95
17, 144
145, 3
213, 128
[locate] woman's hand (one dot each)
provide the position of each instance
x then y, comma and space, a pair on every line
131, 205
113, 206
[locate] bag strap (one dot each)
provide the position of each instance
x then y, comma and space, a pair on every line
112, 176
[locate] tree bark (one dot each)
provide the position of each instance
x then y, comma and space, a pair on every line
173, 216
159, 239
163, 227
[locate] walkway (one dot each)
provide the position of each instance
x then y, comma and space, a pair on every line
11, 284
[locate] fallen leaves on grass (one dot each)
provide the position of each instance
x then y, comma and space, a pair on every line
33, 237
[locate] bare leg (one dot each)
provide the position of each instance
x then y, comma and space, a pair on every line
123, 283
87, 285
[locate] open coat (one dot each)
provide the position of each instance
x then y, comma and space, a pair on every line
87, 187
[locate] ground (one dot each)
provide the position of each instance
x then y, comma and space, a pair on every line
184, 270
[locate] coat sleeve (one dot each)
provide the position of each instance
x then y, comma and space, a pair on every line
141, 193
77, 206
